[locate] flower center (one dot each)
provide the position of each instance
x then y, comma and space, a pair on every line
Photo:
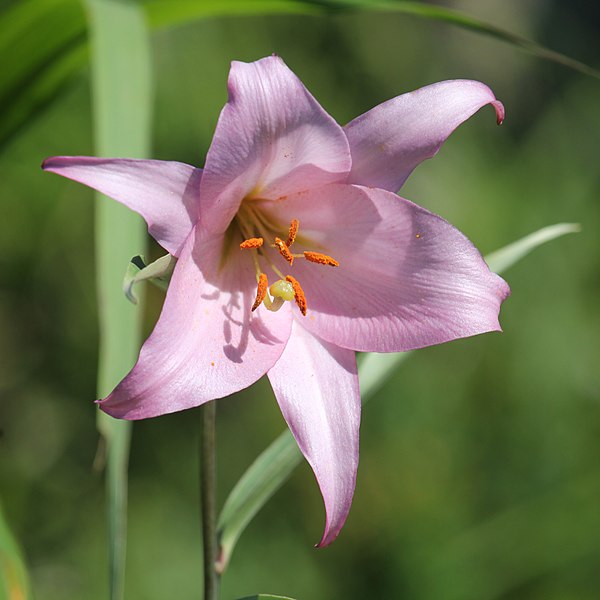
259, 234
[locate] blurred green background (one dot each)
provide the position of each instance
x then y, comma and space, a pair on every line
480, 471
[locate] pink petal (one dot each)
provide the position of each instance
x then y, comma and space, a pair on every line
390, 140
273, 138
165, 193
316, 385
406, 279
206, 344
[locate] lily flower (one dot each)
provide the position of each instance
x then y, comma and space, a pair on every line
294, 252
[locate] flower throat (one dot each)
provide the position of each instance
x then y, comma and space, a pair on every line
257, 231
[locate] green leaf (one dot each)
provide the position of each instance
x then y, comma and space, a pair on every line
173, 12
506, 257
14, 581
264, 477
42, 45
48, 56
122, 98
271, 468
169, 13
158, 272
266, 597
460, 19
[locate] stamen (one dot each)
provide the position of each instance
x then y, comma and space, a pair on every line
284, 250
299, 296
321, 259
293, 232
251, 243
261, 291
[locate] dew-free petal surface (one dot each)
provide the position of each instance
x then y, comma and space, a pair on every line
272, 138
390, 140
406, 279
316, 386
164, 193
206, 344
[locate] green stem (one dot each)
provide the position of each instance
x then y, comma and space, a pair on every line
121, 72
208, 499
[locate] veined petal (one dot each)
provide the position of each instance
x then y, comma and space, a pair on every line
165, 193
206, 344
316, 385
406, 279
273, 138
390, 140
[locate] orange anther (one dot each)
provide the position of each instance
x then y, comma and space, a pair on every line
293, 232
284, 250
251, 243
298, 294
321, 259
261, 290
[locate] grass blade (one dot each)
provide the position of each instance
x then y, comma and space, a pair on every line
506, 257
42, 45
28, 85
459, 19
121, 93
272, 468
264, 477
170, 13
173, 12
14, 581
266, 597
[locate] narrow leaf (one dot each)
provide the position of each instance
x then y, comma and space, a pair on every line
121, 93
460, 19
169, 13
506, 257
42, 45
33, 33
14, 581
40, 90
265, 597
271, 468
24, 95
158, 272
264, 477
173, 12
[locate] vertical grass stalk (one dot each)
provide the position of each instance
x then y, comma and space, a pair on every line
121, 96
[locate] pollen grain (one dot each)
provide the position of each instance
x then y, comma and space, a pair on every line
261, 290
321, 259
298, 294
251, 243
284, 250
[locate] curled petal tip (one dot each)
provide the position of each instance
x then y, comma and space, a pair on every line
499, 108
47, 163
328, 538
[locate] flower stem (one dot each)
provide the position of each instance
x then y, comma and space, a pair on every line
208, 499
